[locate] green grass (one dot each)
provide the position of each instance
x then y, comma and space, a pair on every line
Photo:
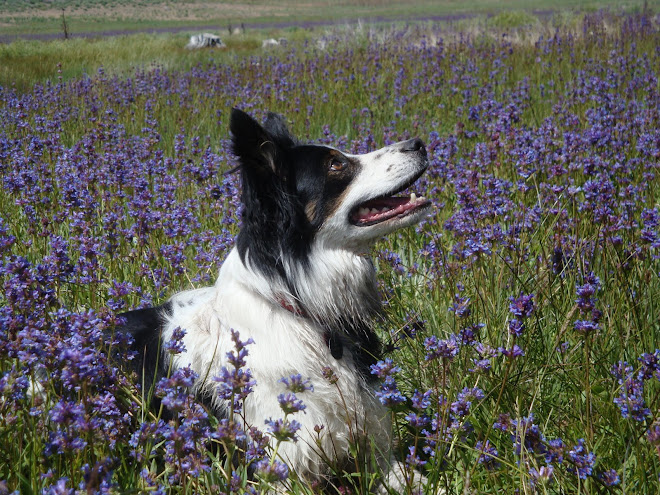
23, 63
512, 19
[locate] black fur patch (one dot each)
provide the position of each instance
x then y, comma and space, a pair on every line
145, 327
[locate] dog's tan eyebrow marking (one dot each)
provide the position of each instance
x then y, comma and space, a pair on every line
310, 210
334, 204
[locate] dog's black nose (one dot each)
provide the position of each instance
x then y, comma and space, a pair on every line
415, 144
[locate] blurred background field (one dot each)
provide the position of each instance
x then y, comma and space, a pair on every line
525, 309
121, 36
40, 16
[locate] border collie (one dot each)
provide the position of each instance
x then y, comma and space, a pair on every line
298, 283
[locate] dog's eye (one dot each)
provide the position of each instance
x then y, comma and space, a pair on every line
337, 165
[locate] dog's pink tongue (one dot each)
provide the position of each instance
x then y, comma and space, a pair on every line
382, 209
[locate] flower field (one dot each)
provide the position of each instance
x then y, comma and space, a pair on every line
523, 316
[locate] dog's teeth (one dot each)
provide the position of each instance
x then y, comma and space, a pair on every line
384, 209
413, 197
363, 212
374, 211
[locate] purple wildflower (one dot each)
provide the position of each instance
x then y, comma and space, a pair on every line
461, 306
296, 384
653, 434
176, 390
257, 445
486, 353
444, 349
175, 345
522, 306
585, 327
461, 407
412, 459
555, 451
610, 477
237, 359
586, 292
542, 475
271, 471
290, 404
503, 423
512, 353
524, 433
421, 401
283, 430
230, 432
516, 328
631, 396
487, 455
389, 395
385, 368
59, 488
583, 461
586, 302
235, 383
650, 365
417, 421
468, 334
71, 420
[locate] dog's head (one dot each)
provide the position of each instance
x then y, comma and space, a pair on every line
295, 194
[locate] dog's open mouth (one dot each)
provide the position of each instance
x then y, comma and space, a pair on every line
385, 208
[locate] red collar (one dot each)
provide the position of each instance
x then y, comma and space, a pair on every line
291, 308
333, 343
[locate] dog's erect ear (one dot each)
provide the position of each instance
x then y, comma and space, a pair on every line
276, 126
251, 143
256, 145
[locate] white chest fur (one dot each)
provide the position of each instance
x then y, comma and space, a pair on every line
284, 344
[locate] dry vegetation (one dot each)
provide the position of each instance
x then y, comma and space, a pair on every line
169, 11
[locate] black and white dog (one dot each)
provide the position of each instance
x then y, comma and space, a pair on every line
300, 286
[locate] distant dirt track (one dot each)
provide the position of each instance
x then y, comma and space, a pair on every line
220, 29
